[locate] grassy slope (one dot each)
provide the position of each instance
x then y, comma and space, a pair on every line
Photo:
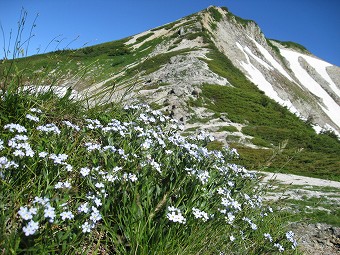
90, 65
273, 124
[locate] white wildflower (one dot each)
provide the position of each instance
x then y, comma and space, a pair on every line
290, 237
58, 159
97, 201
203, 176
230, 217
279, 246
67, 215
268, 237
147, 144
43, 154
32, 117
92, 146
175, 215
95, 216
84, 171
132, 177
83, 208
59, 185
12, 127
19, 153
49, 212
31, 228
69, 168
36, 110
168, 152
25, 213
41, 200
69, 124
200, 214
99, 185
67, 185
86, 227
49, 128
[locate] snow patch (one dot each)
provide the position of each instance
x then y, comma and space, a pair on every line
329, 106
248, 51
156, 34
58, 90
271, 60
257, 78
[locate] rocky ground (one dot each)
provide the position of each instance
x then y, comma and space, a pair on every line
317, 238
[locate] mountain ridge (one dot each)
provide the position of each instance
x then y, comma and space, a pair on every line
249, 62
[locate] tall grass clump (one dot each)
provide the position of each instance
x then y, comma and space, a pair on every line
123, 181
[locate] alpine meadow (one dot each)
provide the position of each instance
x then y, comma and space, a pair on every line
159, 143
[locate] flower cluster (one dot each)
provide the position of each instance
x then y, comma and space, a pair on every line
290, 237
20, 146
32, 117
28, 213
200, 214
175, 215
49, 128
15, 128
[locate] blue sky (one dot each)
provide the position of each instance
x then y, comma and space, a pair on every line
312, 23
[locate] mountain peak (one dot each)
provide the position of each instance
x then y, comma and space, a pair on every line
170, 65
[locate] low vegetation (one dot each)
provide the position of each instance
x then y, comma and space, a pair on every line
144, 37
292, 45
239, 20
306, 152
322, 207
215, 14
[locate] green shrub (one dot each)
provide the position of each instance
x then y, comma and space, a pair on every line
260, 142
228, 129
144, 37
293, 45
215, 145
215, 14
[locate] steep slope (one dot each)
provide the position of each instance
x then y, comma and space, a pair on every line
291, 76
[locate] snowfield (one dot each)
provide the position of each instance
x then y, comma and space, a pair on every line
330, 107
258, 78
271, 60
300, 76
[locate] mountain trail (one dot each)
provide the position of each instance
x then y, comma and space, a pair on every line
299, 180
